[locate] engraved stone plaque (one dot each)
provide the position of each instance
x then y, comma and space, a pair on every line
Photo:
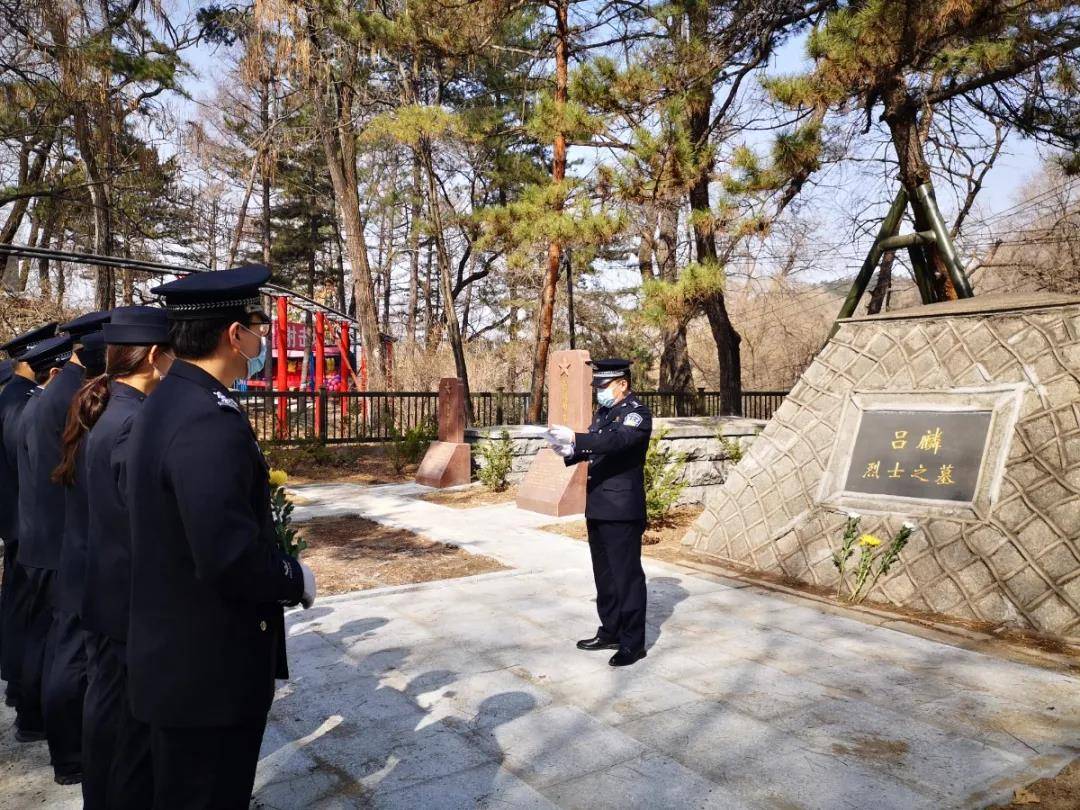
924, 454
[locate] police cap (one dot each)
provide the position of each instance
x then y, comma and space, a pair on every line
20, 344
604, 371
137, 326
213, 294
49, 353
85, 324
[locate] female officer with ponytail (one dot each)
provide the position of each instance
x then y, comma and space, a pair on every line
116, 747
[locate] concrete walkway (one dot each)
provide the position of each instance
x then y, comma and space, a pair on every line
469, 693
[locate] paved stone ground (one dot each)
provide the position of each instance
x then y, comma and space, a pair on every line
469, 693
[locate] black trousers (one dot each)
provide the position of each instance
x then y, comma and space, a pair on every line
62, 692
13, 595
117, 770
38, 612
615, 546
196, 768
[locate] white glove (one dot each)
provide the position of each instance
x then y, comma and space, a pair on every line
564, 450
308, 599
560, 434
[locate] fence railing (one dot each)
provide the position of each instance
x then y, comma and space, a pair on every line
378, 416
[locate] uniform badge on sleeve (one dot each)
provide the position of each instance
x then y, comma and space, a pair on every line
225, 401
632, 420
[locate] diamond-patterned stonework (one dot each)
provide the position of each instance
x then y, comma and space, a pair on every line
1017, 560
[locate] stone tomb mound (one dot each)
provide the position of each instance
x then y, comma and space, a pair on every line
962, 417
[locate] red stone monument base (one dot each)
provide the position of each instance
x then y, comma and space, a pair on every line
446, 464
552, 488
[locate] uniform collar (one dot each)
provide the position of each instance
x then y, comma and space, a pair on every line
125, 391
188, 371
71, 368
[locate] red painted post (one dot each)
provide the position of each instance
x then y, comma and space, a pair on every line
281, 325
346, 364
320, 370
389, 364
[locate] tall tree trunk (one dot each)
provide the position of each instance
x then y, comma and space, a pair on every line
33, 240
30, 173
675, 370
558, 174
338, 136
884, 283
264, 120
414, 250
699, 114
430, 299
901, 115
453, 328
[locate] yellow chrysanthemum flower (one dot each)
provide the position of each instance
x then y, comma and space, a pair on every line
869, 540
278, 478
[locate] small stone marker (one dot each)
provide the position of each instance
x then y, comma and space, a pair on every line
447, 461
550, 487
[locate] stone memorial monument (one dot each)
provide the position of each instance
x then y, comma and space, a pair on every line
447, 462
550, 487
962, 417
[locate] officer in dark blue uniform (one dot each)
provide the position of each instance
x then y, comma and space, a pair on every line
117, 770
64, 664
13, 591
206, 636
35, 614
615, 447
7, 371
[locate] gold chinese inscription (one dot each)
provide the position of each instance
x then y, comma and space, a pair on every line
919, 454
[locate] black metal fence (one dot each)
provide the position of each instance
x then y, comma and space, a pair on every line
377, 416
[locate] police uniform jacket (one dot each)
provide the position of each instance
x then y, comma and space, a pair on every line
615, 447
70, 579
27, 443
12, 401
206, 634
43, 524
107, 593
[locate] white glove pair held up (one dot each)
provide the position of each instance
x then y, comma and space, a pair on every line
561, 439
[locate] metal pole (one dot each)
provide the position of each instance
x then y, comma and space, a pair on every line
888, 228
943, 241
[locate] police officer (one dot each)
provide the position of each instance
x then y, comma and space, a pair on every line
614, 447
13, 590
116, 748
46, 359
206, 634
64, 668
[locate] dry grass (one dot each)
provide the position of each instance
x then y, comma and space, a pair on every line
662, 539
356, 464
351, 553
1061, 792
474, 496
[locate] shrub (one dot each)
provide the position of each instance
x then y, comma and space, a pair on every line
409, 447
731, 447
663, 482
496, 459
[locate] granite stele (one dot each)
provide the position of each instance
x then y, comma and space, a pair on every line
962, 417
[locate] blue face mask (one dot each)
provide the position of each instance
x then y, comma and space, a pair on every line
605, 397
258, 362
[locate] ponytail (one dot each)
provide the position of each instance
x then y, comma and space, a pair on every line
84, 412
89, 403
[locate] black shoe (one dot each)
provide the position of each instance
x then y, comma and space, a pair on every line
68, 778
624, 657
29, 736
597, 642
